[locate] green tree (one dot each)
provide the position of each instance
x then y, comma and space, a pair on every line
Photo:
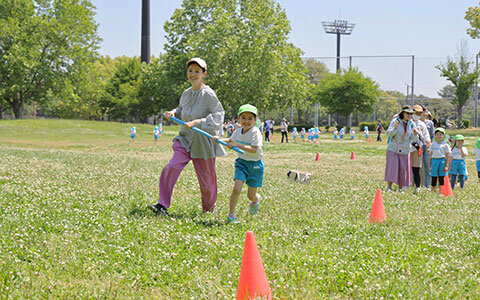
462, 79
120, 98
347, 92
315, 70
43, 46
245, 44
472, 15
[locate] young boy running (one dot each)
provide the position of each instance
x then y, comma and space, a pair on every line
248, 166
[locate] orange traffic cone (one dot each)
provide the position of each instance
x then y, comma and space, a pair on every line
253, 281
352, 156
446, 188
318, 157
378, 210
370, 140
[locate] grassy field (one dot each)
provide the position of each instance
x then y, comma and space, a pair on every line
74, 222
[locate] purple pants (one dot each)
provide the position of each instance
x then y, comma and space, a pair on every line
206, 174
398, 169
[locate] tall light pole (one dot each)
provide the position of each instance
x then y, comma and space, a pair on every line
145, 51
338, 27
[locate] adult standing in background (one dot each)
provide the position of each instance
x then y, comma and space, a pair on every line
268, 128
198, 107
416, 153
401, 133
379, 129
284, 129
426, 179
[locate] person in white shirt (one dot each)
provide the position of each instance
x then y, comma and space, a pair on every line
476, 152
439, 158
416, 151
248, 166
457, 162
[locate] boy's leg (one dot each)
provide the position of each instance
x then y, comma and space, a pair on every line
252, 194
207, 178
434, 183
453, 181
170, 173
237, 189
441, 180
461, 178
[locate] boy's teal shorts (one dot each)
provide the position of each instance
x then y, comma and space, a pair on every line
250, 172
438, 167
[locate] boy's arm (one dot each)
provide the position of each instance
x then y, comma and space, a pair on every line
251, 149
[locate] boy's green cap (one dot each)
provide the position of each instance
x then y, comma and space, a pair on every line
459, 137
440, 129
247, 108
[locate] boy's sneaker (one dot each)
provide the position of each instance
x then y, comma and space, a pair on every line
232, 220
254, 206
158, 209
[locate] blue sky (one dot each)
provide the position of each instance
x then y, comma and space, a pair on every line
431, 30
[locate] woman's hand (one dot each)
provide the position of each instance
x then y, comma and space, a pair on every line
190, 124
169, 114
230, 145
396, 124
415, 132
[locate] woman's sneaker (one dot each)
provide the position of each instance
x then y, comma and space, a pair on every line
158, 209
254, 206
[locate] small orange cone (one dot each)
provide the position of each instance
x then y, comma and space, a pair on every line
378, 210
318, 157
352, 156
370, 140
446, 188
253, 282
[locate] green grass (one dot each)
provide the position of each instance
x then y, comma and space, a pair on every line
73, 197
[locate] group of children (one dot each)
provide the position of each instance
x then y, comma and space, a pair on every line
447, 157
157, 132
340, 133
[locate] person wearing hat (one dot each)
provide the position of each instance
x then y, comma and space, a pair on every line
426, 179
133, 134
439, 158
248, 166
401, 133
458, 168
284, 129
416, 153
199, 106
476, 152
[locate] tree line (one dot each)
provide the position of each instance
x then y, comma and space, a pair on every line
49, 54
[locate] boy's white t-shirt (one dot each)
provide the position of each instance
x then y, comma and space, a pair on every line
253, 137
457, 154
439, 150
476, 151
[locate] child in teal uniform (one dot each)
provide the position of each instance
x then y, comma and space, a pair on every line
335, 133
365, 130
302, 134
295, 133
457, 165
439, 158
352, 133
133, 134
248, 166
155, 135
342, 133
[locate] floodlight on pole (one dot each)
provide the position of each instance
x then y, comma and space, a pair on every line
338, 27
